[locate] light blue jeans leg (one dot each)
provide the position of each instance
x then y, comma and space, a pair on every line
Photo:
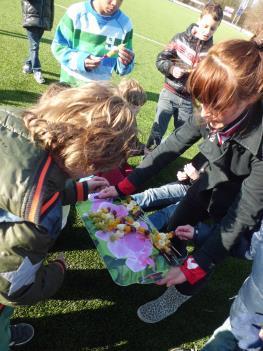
160, 219
164, 113
34, 35
160, 197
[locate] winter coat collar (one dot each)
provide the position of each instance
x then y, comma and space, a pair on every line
251, 137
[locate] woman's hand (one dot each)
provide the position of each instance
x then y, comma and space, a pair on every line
173, 277
108, 193
96, 184
184, 232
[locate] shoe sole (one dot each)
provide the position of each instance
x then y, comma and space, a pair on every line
26, 341
145, 320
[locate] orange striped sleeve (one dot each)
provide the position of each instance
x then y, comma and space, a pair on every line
36, 197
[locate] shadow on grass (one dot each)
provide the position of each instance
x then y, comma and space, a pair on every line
115, 326
12, 97
152, 96
22, 36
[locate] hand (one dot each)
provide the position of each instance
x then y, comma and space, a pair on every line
61, 257
181, 176
184, 232
261, 334
125, 56
146, 151
177, 72
96, 184
173, 277
191, 172
92, 62
108, 193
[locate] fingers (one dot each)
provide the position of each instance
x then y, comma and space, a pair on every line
102, 180
125, 56
184, 232
92, 62
109, 192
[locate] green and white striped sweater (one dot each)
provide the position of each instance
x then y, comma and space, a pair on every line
82, 32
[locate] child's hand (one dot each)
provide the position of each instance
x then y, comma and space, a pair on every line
108, 193
177, 72
174, 276
184, 232
125, 55
96, 184
92, 62
60, 260
261, 334
191, 172
181, 176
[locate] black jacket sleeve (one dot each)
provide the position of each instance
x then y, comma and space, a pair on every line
179, 141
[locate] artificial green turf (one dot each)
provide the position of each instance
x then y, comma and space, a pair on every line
90, 312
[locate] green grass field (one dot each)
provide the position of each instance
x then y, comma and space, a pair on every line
90, 312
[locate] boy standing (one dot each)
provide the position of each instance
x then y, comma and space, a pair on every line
182, 54
38, 16
93, 39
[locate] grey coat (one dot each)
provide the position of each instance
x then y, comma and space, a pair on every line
246, 313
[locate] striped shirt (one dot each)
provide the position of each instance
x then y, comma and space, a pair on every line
82, 32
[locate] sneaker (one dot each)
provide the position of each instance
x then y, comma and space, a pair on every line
21, 334
38, 77
27, 69
161, 308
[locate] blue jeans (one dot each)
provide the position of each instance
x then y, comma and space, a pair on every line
169, 105
165, 195
34, 35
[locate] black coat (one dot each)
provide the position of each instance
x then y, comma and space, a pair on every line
231, 187
38, 13
186, 49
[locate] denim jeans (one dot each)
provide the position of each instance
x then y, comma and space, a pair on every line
34, 35
165, 195
169, 105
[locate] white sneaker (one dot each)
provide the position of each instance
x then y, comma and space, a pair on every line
27, 69
38, 77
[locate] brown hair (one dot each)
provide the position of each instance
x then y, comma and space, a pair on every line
132, 92
231, 72
87, 129
213, 9
53, 89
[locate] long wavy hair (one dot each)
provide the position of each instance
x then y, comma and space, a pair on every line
231, 72
86, 129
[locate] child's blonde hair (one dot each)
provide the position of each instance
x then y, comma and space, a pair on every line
87, 129
132, 92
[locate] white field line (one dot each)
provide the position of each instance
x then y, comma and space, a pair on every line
136, 34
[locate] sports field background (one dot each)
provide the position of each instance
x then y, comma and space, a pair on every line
90, 312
